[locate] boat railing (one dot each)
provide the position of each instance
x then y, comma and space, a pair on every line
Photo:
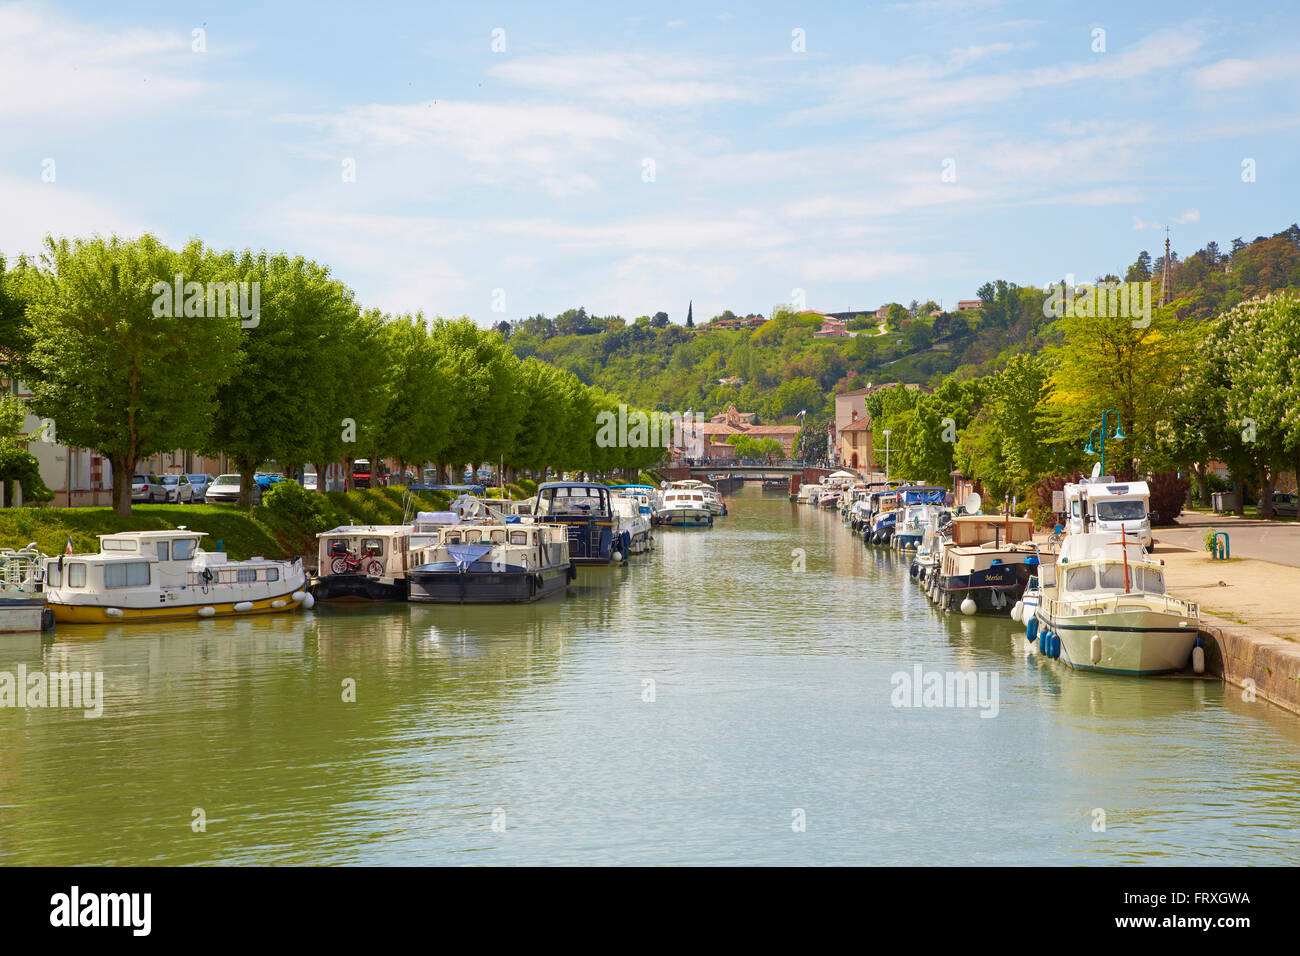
22, 569
1113, 603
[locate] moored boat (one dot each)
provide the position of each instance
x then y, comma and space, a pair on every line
165, 575
22, 596
987, 565
490, 563
684, 507
366, 562
585, 510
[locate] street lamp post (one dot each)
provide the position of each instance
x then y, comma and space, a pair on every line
1099, 435
886, 456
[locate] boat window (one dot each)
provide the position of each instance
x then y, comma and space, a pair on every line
183, 549
472, 537
1112, 577
245, 575
1074, 507
118, 544
451, 537
518, 537
1132, 509
76, 575
1152, 580
373, 545
126, 574
498, 536
53, 575
164, 549
273, 574
1079, 579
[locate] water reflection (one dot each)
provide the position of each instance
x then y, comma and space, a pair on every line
673, 710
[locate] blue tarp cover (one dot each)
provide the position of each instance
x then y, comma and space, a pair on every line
466, 554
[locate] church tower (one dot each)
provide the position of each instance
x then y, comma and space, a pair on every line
1164, 275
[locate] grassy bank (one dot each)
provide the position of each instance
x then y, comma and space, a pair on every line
243, 532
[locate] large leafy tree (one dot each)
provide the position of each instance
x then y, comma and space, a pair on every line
264, 408
114, 376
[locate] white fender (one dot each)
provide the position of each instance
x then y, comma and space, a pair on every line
1094, 648
113, 611
207, 612
308, 601
1015, 611
244, 606
279, 603
1198, 660
968, 606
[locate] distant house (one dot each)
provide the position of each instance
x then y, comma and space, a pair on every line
731, 380
882, 313
832, 329
732, 422
968, 305
738, 322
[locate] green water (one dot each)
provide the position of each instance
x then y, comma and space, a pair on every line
524, 734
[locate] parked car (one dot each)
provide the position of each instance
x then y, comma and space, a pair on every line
177, 490
226, 488
309, 482
147, 488
1286, 504
200, 485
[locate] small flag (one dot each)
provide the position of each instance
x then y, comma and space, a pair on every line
68, 550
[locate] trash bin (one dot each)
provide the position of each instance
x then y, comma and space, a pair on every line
1224, 501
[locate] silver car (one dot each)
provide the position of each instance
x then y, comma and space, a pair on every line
177, 490
1285, 504
199, 483
147, 488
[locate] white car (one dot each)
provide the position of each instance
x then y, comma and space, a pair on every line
226, 488
177, 490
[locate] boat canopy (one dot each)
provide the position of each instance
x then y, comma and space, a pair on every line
924, 495
974, 530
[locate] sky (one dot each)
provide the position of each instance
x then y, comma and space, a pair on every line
504, 160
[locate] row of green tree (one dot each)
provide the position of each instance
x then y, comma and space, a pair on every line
311, 377
1187, 393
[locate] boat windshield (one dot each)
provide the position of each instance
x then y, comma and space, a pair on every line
571, 501
1126, 509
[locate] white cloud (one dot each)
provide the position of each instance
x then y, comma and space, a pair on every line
633, 79
34, 209
50, 66
1232, 73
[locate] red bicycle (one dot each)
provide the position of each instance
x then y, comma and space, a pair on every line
345, 562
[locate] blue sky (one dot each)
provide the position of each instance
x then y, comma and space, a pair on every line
520, 177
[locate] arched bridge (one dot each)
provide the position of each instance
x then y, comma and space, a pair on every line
799, 472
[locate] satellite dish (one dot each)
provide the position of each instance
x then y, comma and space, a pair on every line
1096, 470
973, 502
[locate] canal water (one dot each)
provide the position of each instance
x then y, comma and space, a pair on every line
731, 698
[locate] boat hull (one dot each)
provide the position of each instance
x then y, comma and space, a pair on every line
22, 615
485, 587
189, 611
685, 517
358, 587
994, 590
1138, 643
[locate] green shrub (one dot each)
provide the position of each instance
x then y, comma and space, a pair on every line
1209, 540
296, 506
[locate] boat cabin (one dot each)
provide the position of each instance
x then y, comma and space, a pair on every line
377, 551
970, 531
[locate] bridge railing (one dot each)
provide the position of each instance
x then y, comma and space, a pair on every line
723, 463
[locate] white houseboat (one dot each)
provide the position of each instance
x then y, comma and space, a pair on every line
165, 575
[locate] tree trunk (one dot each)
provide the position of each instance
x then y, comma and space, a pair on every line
1267, 477
123, 472
320, 478
246, 482
1202, 472
1239, 491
